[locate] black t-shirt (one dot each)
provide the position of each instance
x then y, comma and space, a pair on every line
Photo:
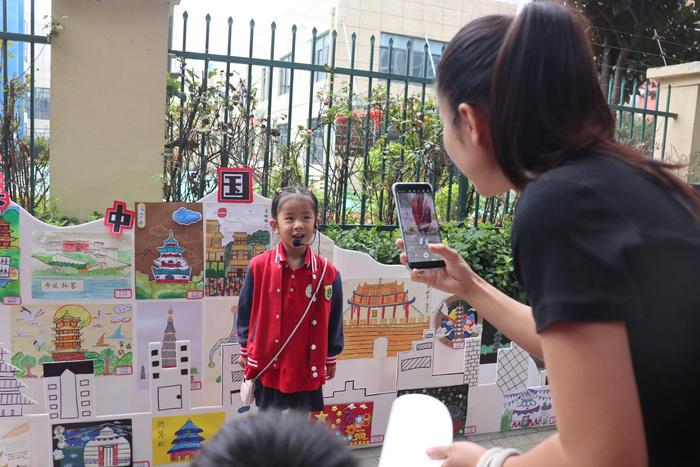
596, 240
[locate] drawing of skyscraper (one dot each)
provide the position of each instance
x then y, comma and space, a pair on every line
168, 347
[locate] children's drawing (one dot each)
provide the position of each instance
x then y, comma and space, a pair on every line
103, 443
385, 316
527, 408
511, 369
15, 449
352, 422
454, 397
12, 401
454, 322
168, 322
234, 235
491, 340
9, 256
219, 328
72, 265
50, 333
169, 248
119, 218
179, 439
70, 389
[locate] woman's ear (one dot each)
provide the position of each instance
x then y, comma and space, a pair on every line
474, 123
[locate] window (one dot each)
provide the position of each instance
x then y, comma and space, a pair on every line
282, 141
285, 76
321, 55
42, 103
400, 57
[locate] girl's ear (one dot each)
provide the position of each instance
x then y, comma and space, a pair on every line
273, 226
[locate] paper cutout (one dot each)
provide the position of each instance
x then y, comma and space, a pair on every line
454, 322
454, 397
179, 439
233, 238
70, 389
47, 333
382, 310
169, 261
12, 401
471, 360
512, 368
167, 323
352, 422
491, 340
219, 329
15, 443
235, 185
170, 373
118, 218
9, 256
527, 408
68, 266
97, 443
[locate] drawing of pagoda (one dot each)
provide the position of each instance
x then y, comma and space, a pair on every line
168, 348
11, 400
187, 443
67, 340
370, 299
6, 237
171, 266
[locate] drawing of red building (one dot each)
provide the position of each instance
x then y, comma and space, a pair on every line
6, 237
379, 298
67, 340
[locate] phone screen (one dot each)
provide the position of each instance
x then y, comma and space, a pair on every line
418, 223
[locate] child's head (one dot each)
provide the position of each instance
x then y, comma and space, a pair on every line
520, 95
271, 438
294, 215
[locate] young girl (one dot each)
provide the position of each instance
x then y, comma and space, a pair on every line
605, 241
278, 287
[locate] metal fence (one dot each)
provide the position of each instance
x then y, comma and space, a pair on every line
372, 126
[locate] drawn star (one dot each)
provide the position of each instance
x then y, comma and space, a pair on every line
333, 425
321, 417
337, 420
334, 408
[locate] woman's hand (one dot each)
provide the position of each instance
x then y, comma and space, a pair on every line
456, 277
459, 454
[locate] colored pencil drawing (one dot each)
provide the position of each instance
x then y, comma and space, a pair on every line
168, 322
179, 439
9, 255
491, 340
100, 443
455, 321
454, 397
527, 408
383, 313
54, 333
219, 328
352, 422
70, 265
15, 449
169, 248
234, 235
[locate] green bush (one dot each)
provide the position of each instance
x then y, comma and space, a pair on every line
486, 248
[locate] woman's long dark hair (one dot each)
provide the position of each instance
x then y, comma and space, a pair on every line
535, 77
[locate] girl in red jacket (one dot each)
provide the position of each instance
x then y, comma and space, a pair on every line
278, 287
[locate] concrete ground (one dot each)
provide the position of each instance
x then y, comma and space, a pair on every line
524, 440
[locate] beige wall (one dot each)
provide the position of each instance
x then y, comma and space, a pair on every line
683, 133
107, 102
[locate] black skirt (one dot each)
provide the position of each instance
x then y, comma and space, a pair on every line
303, 401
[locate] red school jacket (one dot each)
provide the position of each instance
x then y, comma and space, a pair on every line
271, 302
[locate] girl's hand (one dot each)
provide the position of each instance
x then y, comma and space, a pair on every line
243, 361
456, 277
330, 372
459, 454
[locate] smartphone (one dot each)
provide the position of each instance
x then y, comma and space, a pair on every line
418, 223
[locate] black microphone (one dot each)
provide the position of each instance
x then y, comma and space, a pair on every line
297, 243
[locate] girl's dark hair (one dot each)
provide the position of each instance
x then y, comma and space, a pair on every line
271, 438
286, 192
535, 77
